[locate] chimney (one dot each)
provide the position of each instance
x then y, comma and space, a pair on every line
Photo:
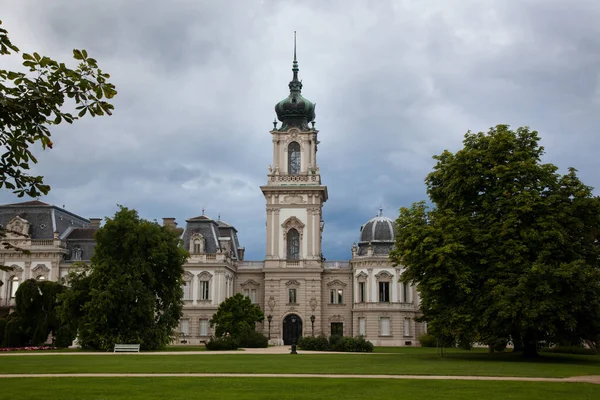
95, 223
169, 223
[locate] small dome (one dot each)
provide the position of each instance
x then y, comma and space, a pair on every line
380, 229
379, 234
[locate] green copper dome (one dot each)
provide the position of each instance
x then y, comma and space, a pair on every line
295, 110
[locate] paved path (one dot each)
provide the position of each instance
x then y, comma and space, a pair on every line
268, 350
595, 379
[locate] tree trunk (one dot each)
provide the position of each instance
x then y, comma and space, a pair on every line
529, 346
517, 342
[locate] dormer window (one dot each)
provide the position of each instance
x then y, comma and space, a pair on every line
294, 158
197, 244
76, 254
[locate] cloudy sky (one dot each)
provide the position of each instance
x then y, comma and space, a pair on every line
395, 82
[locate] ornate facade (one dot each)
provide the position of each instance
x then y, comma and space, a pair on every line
299, 292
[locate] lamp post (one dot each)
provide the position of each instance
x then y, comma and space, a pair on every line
312, 321
269, 318
294, 339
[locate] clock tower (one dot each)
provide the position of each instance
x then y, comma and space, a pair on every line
294, 198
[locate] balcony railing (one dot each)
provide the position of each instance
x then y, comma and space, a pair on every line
291, 179
336, 264
384, 306
251, 265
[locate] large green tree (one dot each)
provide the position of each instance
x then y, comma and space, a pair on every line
509, 248
236, 316
131, 293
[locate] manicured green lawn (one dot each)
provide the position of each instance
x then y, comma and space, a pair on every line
286, 388
413, 361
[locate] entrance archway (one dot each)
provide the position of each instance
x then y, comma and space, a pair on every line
292, 329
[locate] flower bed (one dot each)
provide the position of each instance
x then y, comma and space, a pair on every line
27, 348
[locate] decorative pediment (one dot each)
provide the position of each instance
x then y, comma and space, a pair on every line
16, 268
362, 277
292, 282
384, 275
292, 222
336, 282
188, 276
336, 318
205, 276
17, 228
40, 269
250, 283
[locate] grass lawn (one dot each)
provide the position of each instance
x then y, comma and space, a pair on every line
419, 361
285, 388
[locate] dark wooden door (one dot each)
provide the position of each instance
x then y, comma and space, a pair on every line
292, 329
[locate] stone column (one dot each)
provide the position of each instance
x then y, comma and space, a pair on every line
195, 287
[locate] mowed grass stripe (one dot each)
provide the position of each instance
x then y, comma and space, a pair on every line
276, 389
416, 363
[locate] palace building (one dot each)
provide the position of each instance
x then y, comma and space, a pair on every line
299, 292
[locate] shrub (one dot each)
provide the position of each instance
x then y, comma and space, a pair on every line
222, 343
427, 340
499, 344
319, 343
64, 336
253, 339
334, 341
569, 350
2, 329
355, 345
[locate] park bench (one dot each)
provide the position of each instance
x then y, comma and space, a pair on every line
127, 348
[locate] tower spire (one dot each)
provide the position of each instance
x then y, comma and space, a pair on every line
295, 84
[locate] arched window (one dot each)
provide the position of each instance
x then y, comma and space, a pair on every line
293, 244
13, 285
41, 278
294, 158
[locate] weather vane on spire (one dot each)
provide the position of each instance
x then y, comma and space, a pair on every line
294, 45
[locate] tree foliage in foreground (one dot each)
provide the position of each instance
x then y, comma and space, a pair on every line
510, 247
132, 291
236, 316
30, 103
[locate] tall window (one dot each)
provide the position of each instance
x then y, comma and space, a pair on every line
253, 296
336, 296
184, 327
294, 158
406, 326
292, 296
406, 291
204, 290
187, 292
362, 292
384, 292
293, 244
203, 327
384, 326
13, 285
362, 326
